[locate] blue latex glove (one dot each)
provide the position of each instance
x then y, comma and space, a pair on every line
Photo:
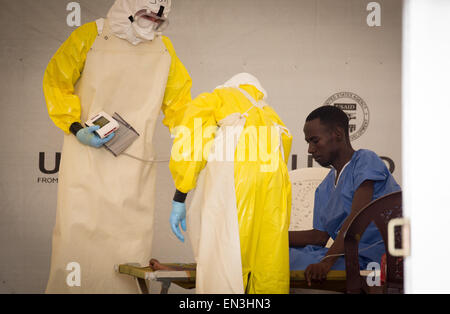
178, 216
88, 137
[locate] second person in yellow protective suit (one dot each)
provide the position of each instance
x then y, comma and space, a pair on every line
233, 148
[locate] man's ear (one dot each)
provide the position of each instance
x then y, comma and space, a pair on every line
339, 134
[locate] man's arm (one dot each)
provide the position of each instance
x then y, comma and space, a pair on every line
363, 196
318, 272
308, 237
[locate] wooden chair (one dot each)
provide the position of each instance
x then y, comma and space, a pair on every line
379, 211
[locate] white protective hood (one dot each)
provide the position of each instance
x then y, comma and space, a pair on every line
244, 79
121, 25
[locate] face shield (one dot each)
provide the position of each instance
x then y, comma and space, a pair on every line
139, 20
145, 18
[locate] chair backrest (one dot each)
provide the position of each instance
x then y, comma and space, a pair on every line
379, 211
304, 183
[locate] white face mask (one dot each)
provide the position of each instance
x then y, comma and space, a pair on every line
144, 29
144, 23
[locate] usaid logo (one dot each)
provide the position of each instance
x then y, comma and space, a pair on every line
355, 108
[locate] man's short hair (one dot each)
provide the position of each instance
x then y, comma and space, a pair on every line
331, 117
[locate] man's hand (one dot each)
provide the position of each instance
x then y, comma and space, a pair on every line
317, 272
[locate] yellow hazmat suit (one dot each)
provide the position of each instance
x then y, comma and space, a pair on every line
105, 203
263, 197
66, 66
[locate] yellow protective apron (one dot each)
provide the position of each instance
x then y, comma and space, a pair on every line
212, 216
106, 203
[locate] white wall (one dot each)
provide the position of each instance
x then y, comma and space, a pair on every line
303, 51
426, 109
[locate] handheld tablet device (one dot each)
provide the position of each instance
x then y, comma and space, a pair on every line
105, 121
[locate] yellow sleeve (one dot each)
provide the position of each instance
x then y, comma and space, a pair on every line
286, 136
178, 89
62, 73
193, 137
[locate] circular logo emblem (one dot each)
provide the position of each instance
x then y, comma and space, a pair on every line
355, 108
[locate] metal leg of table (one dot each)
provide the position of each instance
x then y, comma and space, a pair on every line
165, 285
142, 285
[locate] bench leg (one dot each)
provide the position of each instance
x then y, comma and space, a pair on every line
165, 285
142, 286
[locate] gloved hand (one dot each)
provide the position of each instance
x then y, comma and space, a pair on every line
178, 216
88, 137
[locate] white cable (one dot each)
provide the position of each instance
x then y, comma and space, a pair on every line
342, 254
144, 160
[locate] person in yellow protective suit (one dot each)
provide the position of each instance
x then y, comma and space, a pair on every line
105, 203
239, 216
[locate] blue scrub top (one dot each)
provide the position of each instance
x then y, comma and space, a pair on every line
333, 204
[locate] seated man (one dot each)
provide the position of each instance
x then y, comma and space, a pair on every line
356, 179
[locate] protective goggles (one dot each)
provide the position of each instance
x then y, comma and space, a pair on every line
145, 18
